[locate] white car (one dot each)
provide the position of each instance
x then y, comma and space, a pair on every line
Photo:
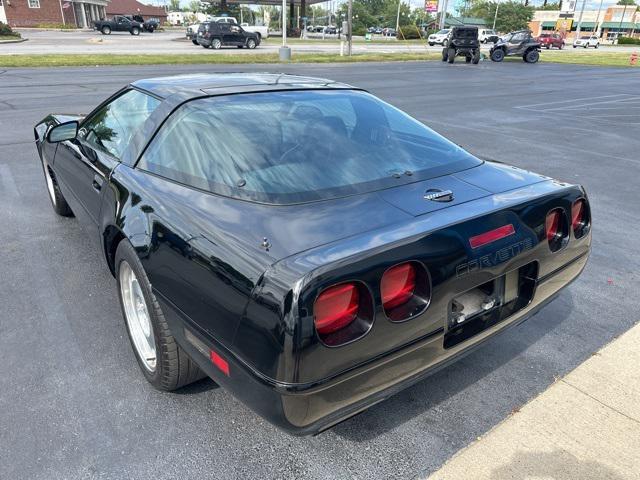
439, 38
586, 41
487, 35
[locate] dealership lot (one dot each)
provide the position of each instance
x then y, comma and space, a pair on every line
73, 403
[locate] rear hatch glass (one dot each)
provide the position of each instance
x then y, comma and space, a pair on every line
298, 146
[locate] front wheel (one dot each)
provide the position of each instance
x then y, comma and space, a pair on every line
532, 56
135, 31
561, 46
431, 44
497, 55
106, 30
251, 44
596, 45
585, 47
194, 41
476, 57
163, 363
451, 55
58, 202
445, 43
216, 44
444, 54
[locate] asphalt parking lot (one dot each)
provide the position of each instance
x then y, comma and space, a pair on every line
73, 403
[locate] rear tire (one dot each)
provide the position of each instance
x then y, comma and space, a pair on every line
476, 57
167, 367
106, 30
58, 202
451, 55
216, 44
467, 59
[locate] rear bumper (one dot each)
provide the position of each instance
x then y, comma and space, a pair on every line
304, 409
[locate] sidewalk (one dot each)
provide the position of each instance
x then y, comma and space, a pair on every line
585, 426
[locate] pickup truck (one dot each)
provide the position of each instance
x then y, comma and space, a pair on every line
119, 23
260, 31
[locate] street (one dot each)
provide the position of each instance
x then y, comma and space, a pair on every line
73, 402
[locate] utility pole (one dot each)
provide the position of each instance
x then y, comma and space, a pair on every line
598, 18
398, 17
443, 13
624, 12
349, 26
495, 17
580, 21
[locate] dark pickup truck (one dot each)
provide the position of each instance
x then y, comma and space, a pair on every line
150, 25
119, 23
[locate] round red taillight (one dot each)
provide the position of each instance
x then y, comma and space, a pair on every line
336, 307
579, 217
398, 285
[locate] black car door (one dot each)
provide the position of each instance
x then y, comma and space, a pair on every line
228, 36
122, 24
83, 165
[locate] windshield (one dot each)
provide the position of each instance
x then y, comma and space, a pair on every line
298, 146
584, 38
442, 32
545, 35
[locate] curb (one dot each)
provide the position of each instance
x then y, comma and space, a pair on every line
17, 40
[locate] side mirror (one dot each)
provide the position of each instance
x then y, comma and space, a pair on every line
62, 132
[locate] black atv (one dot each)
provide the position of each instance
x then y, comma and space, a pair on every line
519, 43
463, 42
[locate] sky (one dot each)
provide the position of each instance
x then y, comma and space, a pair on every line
589, 5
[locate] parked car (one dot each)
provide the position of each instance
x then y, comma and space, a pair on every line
519, 43
330, 30
192, 33
221, 34
439, 38
118, 23
548, 40
587, 41
389, 32
462, 41
487, 35
310, 269
150, 25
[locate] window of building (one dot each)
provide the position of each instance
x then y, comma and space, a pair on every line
34, 3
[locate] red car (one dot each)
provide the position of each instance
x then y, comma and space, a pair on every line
548, 40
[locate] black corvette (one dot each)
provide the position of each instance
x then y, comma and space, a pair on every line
309, 247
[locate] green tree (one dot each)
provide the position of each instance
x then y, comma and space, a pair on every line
549, 6
174, 6
512, 15
195, 6
626, 2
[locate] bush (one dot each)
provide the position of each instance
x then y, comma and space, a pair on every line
5, 31
408, 32
60, 26
359, 31
628, 41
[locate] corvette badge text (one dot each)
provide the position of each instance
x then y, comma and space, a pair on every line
492, 259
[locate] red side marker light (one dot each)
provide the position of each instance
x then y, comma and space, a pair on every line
491, 236
220, 362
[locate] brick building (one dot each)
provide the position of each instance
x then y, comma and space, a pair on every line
133, 7
31, 13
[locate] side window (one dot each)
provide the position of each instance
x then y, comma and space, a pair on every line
518, 37
112, 127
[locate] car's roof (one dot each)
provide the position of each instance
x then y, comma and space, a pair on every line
228, 83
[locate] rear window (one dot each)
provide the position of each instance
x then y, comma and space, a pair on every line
298, 146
